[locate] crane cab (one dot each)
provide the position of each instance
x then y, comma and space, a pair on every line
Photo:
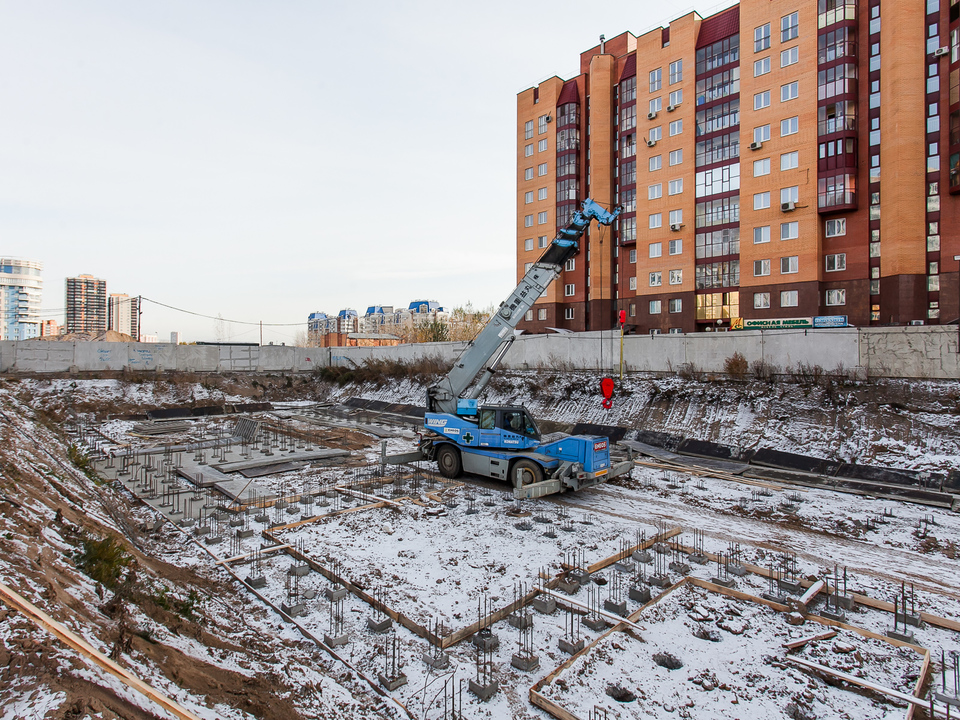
491, 427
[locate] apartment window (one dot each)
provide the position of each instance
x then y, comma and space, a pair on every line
761, 268
790, 194
676, 127
569, 289
789, 27
542, 194
656, 220
654, 307
789, 298
654, 191
656, 279
528, 220
542, 314
528, 130
761, 201
656, 104
633, 310
837, 262
528, 197
789, 265
676, 156
656, 249
761, 100
528, 174
676, 97
761, 38
790, 91
676, 247
789, 230
761, 66
542, 145
761, 133
541, 124
675, 187
836, 297
676, 217
676, 277
656, 79
542, 241
675, 305
761, 167
676, 72
633, 256
790, 56
633, 283
761, 234
542, 218
628, 173
528, 244
628, 118
656, 162
528, 150
628, 229
570, 265
568, 314
835, 228
761, 301
528, 316
790, 160
628, 200
655, 133
541, 169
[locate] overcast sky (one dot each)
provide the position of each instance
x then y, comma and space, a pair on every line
264, 160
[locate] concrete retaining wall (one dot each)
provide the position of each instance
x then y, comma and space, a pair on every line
919, 352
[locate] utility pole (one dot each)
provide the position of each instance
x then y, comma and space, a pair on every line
139, 317
261, 333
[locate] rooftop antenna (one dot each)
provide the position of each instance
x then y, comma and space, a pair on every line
603, 41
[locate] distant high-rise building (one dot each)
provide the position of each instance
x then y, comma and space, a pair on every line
123, 314
86, 304
20, 291
49, 328
176, 338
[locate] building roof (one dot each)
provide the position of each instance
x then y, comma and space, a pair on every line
719, 26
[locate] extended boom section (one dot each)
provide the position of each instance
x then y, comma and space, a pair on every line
504, 442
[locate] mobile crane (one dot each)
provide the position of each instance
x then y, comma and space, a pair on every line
504, 442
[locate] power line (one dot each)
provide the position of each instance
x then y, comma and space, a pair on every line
222, 319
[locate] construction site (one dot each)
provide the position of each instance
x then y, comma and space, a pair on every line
239, 546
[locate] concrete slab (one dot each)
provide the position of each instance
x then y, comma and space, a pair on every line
302, 456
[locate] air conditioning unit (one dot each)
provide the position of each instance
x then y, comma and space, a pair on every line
549, 118
651, 116
788, 207
671, 108
756, 145
651, 143
676, 226
941, 51
915, 322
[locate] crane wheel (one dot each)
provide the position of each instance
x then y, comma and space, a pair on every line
528, 471
448, 462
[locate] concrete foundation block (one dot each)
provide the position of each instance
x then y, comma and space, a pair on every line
581, 576
570, 647
484, 692
838, 615
570, 587
680, 567
262, 518
295, 610
947, 699
525, 663
794, 588
486, 641
596, 623
521, 620
624, 566
336, 640
642, 556
640, 594
661, 547
245, 533
845, 601
201, 530
908, 619
440, 661
309, 594
213, 539
299, 570
236, 522
257, 582
660, 581
774, 598
724, 582
738, 570
544, 604
187, 522
698, 558
392, 683
333, 594
617, 608
379, 625
903, 636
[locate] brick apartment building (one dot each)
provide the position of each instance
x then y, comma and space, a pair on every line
746, 150
86, 298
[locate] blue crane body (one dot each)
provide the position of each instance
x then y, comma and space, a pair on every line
501, 441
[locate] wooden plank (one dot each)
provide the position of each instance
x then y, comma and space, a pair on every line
613, 559
545, 703
854, 680
794, 644
492, 618
72, 640
263, 551
700, 472
918, 687
810, 594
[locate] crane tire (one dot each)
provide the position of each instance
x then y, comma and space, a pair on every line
448, 461
530, 471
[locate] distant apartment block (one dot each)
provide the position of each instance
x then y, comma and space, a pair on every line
21, 288
50, 328
176, 337
123, 314
746, 149
86, 304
